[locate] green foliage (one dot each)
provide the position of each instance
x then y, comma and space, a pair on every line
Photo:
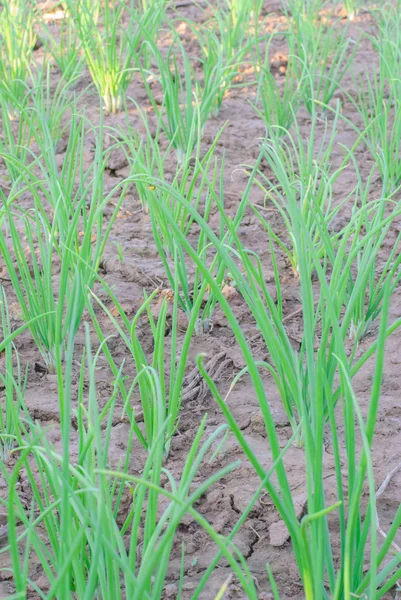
78, 530
64, 232
65, 49
17, 39
110, 48
94, 525
318, 395
323, 57
14, 382
378, 100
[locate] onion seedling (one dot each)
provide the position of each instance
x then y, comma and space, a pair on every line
181, 114
191, 178
57, 262
169, 358
50, 106
308, 10
65, 48
176, 263
225, 41
219, 70
301, 179
79, 529
14, 382
378, 103
371, 225
323, 56
278, 105
109, 48
352, 8
325, 570
381, 124
17, 39
15, 140
234, 19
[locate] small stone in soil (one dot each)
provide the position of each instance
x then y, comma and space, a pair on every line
171, 591
279, 534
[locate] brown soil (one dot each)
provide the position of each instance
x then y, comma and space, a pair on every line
262, 538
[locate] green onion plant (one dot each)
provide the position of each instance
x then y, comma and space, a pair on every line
305, 9
323, 57
191, 178
226, 41
325, 571
219, 70
15, 140
380, 114
65, 48
352, 7
198, 195
109, 48
164, 329
191, 288
181, 113
77, 528
377, 100
371, 275
13, 381
40, 107
278, 105
236, 22
64, 234
50, 106
300, 178
17, 39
